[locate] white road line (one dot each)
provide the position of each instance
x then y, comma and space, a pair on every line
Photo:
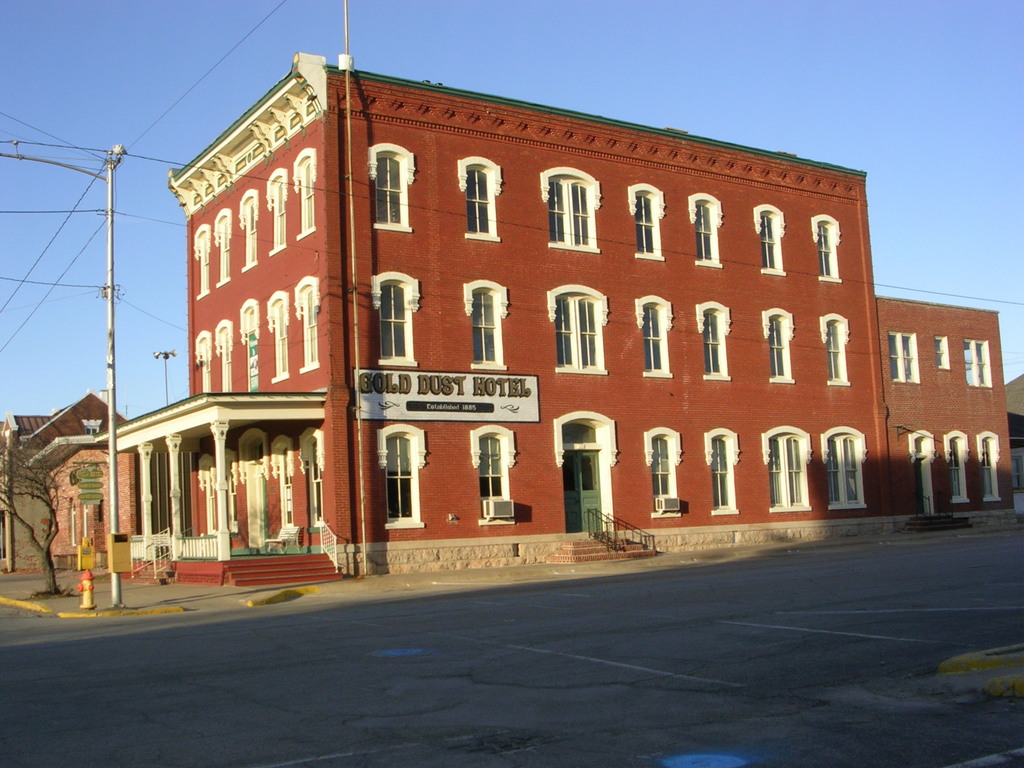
320, 758
831, 632
595, 660
896, 610
1001, 759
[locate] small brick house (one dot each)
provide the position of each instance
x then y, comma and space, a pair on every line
433, 328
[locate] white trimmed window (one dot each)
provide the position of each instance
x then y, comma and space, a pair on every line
778, 329
281, 467
903, 356
825, 231
722, 453
844, 455
654, 319
207, 477
480, 181
277, 197
311, 453
204, 357
770, 225
579, 314
307, 310
957, 453
486, 305
713, 323
396, 296
663, 453
202, 255
304, 181
988, 461
706, 217
248, 214
787, 451
572, 197
222, 239
942, 353
249, 332
224, 341
647, 204
835, 335
976, 363
392, 170
277, 320
492, 452
402, 453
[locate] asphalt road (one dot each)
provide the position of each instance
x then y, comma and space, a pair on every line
822, 657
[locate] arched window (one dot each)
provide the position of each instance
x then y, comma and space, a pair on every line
307, 309
844, 455
988, 460
787, 450
392, 170
248, 214
835, 334
654, 318
722, 453
249, 329
957, 453
277, 320
579, 314
311, 448
281, 465
224, 341
402, 453
222, 239
663, 453
706, 217
277, 195
480, 180
572, 198
304, 176
202, 255
825, 231
396, 296
204, 356
713, 323
771, 226
647, 204
492, 449
778, 329
486, 305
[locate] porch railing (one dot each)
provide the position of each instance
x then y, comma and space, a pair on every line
197, 547
615, 533
329, 544
148, 551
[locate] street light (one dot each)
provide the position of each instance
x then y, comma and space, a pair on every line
165, 355
112, 160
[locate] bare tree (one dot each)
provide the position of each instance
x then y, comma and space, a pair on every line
31, 480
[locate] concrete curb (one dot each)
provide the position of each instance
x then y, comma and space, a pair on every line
1008, 657
25, 605
119, 612
283, 595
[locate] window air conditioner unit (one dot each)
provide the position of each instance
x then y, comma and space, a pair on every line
495, 509
666, 504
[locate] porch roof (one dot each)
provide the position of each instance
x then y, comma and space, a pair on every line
192, 418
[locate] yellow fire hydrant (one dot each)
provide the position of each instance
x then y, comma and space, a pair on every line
85, 587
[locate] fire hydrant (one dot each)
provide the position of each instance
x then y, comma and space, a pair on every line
85, 587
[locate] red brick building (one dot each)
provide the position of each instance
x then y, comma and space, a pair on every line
451, 329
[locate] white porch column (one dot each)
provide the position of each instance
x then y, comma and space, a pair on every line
174, 448
220, 434
146, 490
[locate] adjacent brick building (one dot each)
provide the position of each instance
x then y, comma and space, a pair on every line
454, 329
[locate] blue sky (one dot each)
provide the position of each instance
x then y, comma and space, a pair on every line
924, 96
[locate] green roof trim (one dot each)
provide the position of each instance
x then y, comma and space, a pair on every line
663, 132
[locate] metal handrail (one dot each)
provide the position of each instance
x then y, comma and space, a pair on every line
614, 532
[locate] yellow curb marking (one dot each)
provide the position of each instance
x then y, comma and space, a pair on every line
98, 614
284, 594
996, 658
27, 605
1005, 686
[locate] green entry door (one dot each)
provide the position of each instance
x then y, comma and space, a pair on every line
582, 487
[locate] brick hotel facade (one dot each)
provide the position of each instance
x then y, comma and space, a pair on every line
447, 329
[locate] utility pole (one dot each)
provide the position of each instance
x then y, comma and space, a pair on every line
112, 160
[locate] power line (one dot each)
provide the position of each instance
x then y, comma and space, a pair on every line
23, 281
63, 144
207, 74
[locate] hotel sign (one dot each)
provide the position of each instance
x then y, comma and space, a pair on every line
442, 396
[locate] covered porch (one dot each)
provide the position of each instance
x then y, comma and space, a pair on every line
228, 476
